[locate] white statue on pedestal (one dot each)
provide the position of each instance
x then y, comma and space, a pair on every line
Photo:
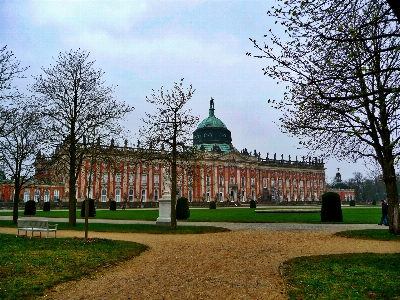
164, 204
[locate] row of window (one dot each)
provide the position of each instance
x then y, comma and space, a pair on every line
104, 178
280, 182
130, 196
301, 183
231, 197
208, 180
36, 195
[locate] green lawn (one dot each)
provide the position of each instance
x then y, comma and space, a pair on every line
30, 266
351, 215
370, 234
344, 276
132, 228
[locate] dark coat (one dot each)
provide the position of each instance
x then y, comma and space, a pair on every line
385, 209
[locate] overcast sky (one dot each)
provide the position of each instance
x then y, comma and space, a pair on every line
143, 45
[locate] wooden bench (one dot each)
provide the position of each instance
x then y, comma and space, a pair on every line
36, 225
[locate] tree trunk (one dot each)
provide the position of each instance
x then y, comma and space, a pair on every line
173, 195
72, 192
389, 177
86, 203
15, 204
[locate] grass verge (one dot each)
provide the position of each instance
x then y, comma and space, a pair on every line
346, 276
343, 276
30, 266
132, 228
351, 215
370, 234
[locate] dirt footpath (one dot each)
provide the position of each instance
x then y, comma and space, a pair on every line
241, 264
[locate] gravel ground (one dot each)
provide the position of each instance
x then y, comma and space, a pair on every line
241, 264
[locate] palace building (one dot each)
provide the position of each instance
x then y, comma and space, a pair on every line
223, 174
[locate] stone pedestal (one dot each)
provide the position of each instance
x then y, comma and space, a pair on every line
164, 211
164, 204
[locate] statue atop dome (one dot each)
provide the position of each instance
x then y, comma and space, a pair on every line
212, 103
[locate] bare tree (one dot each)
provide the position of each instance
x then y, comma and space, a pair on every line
74, 100
341, 60
395, 6
167, 135
18, 150
10, 70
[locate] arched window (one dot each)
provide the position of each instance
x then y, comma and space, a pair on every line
144, 179
46, 196
155, 195
103, 195
143, 199
131, 195
27, 195
36, 197
56, 195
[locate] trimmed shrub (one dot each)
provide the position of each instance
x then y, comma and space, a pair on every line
30, 208
92, 208
213, 205
253, 204
352, 202
46, 206
113, 205
331, 209
182, 208
373, 202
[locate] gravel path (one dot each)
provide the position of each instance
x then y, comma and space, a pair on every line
241, 264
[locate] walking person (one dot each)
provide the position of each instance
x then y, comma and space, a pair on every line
384, 218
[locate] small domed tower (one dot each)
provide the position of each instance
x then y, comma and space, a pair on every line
212, 134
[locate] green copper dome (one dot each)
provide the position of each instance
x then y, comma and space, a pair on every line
212, 134
211, 121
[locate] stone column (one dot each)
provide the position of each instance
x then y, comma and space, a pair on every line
164, 203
